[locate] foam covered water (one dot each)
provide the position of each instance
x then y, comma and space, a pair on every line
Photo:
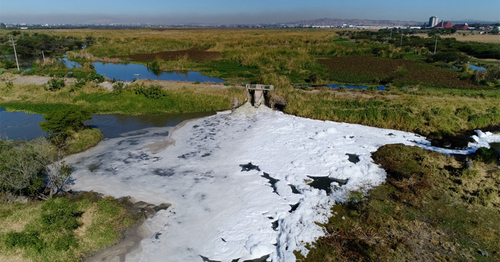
221, 211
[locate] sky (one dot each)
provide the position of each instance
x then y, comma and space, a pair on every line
240, 11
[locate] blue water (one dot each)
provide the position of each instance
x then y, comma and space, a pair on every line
477, 68
473, 67
129, 72
70, 64
380, 88
20, 125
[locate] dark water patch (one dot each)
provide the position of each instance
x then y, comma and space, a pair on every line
275, 225
94, 167
164, 172
139, 157
294, 189
333, 86
188, 155
294, 207
260, 259
353, 158
248, 167
272, 181
161, 134
324, 183
20, 125
452, 142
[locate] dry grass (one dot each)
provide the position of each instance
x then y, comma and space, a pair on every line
470, 37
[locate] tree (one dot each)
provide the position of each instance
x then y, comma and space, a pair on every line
22, 164
62, 123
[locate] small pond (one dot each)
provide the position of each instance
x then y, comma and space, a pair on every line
130, 72
20, 125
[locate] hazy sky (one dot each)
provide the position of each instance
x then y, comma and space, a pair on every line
239, 11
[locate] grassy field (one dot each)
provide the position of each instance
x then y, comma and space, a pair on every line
471, 36
432, 208
427, 112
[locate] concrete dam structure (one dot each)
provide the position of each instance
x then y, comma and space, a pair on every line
259, 94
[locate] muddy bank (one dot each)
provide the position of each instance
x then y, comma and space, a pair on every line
132, 236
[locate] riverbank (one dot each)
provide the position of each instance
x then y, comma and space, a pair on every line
430, 112
179, 97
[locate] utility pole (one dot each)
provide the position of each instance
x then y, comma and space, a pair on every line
435, 45
15, 54
43, 57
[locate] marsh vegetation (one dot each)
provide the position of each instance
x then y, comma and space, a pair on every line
432, 206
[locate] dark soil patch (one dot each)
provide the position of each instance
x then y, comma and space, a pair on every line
193, 54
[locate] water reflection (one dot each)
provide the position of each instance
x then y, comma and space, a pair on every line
20, 125
130, 72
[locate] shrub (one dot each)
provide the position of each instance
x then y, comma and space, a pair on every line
152, 92
118, 88
486, 155
21, 166
9, 85
55, 84
95, 77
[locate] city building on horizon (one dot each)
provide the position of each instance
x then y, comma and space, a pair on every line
433, 21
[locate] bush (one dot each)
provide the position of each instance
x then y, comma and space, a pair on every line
55, 84
118, 88
9, 85
63, 122
486, 155
152, 92
22, 166
95, 77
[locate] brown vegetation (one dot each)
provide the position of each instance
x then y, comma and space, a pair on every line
193, 54
388, 70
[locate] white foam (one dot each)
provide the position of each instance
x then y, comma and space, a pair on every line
223, 213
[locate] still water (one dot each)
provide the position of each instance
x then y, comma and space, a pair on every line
20, 125
129, 72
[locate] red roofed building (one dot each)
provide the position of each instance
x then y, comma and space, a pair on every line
443, 24
461, 26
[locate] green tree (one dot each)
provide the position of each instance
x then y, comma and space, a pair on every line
22, 165
62, 123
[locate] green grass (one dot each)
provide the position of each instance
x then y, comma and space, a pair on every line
84, 140
431, 208
178, 98
421, 111
60, 229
